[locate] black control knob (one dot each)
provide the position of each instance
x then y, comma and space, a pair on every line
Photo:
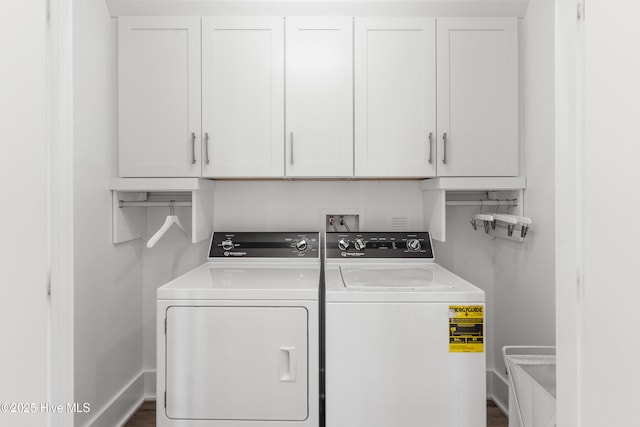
414, 245
359, 244
343, 244
227, 245
301, 245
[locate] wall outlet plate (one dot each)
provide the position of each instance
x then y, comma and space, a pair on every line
342, 222
353, 219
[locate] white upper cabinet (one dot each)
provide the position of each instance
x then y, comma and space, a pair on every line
319, 94
159, 97
206, 97
395, 97
243, 97
477, 97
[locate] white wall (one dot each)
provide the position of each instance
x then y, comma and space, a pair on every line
108, 278
23, 191
611, 200
525, 272
297, 205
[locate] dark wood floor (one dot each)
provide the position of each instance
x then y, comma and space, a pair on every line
146, 416
495, 417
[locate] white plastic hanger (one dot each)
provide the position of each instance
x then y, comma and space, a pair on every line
172, 219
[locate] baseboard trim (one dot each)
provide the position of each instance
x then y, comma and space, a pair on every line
126, 402
149, 385
143, 387
499, 390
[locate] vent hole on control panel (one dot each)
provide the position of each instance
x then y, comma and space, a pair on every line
399, 223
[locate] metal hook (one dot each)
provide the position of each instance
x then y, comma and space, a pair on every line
172, 209
493, 223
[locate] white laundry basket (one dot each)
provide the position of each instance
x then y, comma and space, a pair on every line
532, 385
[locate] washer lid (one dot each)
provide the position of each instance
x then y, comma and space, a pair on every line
392, 278
383, 282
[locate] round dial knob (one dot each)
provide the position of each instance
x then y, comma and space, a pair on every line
227, 245
359, 244
343, 244
301, 245
413, 245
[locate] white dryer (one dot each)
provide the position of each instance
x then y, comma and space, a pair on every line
237, 337
404, 337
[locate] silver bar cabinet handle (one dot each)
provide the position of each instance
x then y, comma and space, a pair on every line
291, 135
430, 146
193, 148
206, 146
444, 157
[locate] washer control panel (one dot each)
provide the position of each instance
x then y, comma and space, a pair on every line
264, 245
378, 245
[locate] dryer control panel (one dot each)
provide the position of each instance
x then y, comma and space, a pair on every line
264, 245
378, 245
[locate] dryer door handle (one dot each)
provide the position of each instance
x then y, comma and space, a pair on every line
287, 364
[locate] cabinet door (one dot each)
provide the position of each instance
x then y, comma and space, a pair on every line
243, 97
237, 363
395, 97
159, 96
477, 97
319, 89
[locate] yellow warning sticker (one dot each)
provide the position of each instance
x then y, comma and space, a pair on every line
466, 329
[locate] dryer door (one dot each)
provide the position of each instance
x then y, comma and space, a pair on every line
237, 363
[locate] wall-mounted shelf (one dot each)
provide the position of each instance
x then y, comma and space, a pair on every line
129, 220
468, 191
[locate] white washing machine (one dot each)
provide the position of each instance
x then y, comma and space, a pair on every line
404, 342
237, 337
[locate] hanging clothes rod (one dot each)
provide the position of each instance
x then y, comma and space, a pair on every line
482, 203
127, 204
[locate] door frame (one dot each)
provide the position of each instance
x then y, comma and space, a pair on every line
59, 88
569, 214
